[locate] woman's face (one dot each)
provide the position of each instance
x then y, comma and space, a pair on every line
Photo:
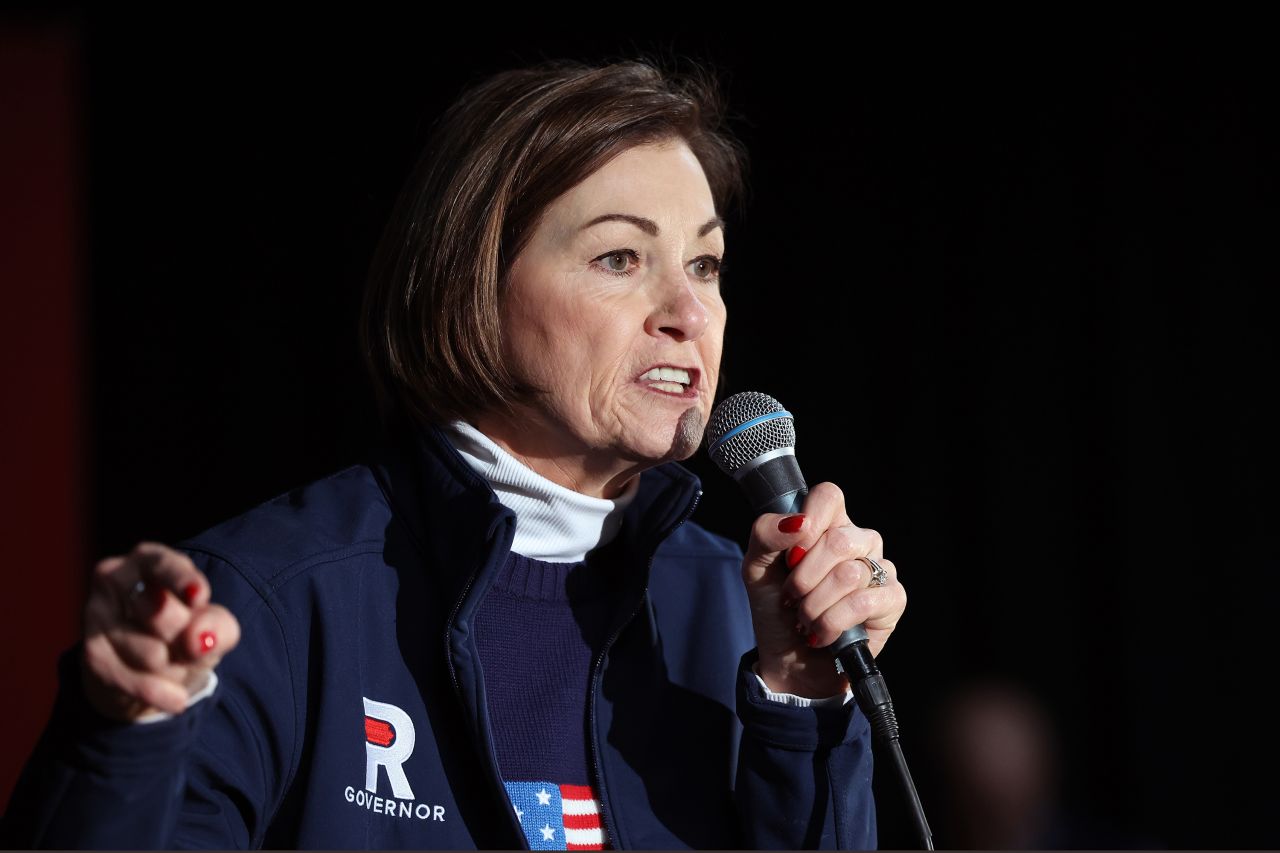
614, 308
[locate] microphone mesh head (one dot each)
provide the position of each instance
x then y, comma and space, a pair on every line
754, 441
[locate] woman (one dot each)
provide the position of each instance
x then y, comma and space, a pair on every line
544, 324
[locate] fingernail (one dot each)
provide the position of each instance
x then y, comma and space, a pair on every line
207, 641
190, 591
791, 524
813, 641
795, 555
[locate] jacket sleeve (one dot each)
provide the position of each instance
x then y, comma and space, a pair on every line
210, 777
804, 773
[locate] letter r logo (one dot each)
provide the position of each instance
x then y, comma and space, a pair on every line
388, 742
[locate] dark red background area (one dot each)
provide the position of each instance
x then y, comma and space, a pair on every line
1019, 294
42, 346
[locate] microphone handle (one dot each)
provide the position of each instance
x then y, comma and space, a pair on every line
789, 503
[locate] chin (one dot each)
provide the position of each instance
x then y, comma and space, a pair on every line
686, 438
658, 440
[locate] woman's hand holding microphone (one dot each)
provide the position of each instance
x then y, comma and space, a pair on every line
151, 635
808, 583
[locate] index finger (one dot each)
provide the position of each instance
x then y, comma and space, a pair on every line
825, 506
170, 568
152, 586
773, 533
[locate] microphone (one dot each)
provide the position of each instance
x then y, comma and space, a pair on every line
752, 438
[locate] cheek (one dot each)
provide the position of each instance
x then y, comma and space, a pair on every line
533, 331
713, 340
555, 347
595, 337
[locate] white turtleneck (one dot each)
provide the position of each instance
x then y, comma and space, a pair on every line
559, 525
553, 523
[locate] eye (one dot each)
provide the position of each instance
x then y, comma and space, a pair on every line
708, 267
611, 260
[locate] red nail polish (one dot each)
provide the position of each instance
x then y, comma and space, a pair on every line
813, 641
795, 555
190, 591
791, 524
207, 641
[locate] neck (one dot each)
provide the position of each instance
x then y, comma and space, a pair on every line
599, 474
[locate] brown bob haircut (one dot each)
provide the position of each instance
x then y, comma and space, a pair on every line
495, 160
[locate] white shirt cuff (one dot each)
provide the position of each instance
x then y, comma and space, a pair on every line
802, 701
207, 690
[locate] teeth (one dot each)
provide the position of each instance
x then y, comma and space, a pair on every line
670, 387
668, 374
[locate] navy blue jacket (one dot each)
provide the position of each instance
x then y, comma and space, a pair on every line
353, 712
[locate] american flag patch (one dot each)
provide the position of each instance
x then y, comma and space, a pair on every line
557, 817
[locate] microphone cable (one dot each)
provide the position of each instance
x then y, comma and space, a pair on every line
872, 695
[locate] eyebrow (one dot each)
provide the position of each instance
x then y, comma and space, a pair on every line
649, 226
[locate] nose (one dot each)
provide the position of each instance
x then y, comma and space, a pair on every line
678, 313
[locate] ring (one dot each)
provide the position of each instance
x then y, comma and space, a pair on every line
879, 577
138, 589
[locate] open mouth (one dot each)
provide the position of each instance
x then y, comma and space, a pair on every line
671, 380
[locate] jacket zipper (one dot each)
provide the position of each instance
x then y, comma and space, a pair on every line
495, 780
606, 815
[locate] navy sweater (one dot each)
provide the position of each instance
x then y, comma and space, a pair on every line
537, 631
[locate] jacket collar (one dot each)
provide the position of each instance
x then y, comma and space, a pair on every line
458, 524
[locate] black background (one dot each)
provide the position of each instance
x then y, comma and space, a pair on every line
1016, 292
